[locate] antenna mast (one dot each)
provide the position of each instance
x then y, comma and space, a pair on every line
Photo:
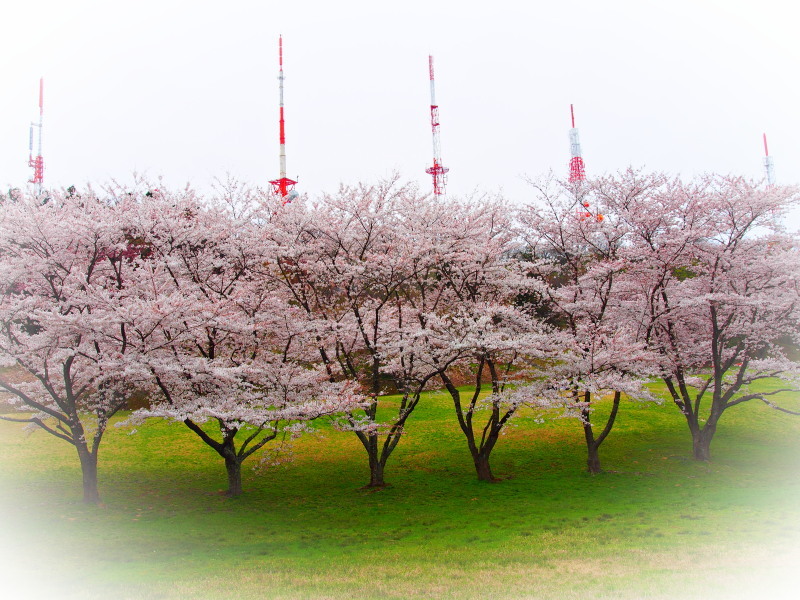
769, 165
283, 186
577, 171
438, 171
37, 163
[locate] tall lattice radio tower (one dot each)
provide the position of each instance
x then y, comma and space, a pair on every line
438, 170
283, 186
577, 170
37, 162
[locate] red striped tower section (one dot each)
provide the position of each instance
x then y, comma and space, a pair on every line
283, 186
438, 171
577, 171
769, 165
37, 162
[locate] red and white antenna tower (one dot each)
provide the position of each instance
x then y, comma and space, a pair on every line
577, 171
283, 186
37, 162
769, 165
438, 171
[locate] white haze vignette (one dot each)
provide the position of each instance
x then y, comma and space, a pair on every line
188, 91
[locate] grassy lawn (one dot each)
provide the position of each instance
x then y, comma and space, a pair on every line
656, 524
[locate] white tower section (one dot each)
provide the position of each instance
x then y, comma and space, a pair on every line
574, 142
769, 165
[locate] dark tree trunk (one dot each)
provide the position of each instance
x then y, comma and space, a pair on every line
481, 449
593, 459
233, 465
483, 467
701, 443
227, 450
592, 445
234, 469
376, 475
592, 448
91, 495
375, 465
592, 442
702, 436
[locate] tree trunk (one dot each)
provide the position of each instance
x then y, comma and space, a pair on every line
376, 465
234, 468
592, 445
483, 468
375, 470
91, 495
592, 442
701, 443
593, 458
702, 436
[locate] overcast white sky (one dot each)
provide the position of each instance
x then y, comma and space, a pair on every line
188, 89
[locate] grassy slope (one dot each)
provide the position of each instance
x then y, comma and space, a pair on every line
656, 525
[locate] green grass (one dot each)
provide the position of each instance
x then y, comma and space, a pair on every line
656, 524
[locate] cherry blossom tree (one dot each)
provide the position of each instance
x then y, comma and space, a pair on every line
477, 324
714, 284
580, 257
359, 263
497, 343
213, 342
59, 349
